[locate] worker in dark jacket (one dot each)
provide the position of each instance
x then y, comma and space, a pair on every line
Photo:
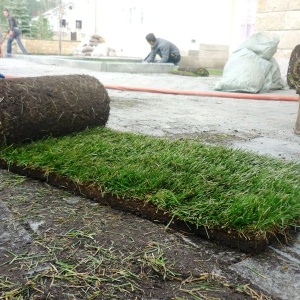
14, 32
168, 52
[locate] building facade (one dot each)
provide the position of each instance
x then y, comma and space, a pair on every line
200, 28
283, 19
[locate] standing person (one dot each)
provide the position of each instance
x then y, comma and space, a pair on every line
13, 32
168, 52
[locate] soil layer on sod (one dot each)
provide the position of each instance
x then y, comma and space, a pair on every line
249, 244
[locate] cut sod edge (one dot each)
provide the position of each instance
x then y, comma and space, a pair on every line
250, 243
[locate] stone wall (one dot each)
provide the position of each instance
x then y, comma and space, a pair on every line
208, 56
45, 47
281, 18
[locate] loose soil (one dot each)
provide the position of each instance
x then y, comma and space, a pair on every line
62, 246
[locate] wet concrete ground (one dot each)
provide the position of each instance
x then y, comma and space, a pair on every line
266, 127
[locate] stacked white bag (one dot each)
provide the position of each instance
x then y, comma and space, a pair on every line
252, 68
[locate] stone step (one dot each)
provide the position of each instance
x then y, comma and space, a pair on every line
276, 271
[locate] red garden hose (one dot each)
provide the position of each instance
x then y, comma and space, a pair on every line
272, 97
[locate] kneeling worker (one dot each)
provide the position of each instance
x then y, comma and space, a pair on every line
168, 52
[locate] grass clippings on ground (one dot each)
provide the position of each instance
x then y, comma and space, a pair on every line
79, 249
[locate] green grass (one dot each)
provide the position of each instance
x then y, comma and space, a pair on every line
212, 72
200, 184
216, 72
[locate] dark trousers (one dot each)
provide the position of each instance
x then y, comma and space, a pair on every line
173, 58
16, 37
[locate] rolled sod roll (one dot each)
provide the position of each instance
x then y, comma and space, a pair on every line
36, 107
297, 126
293, 73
